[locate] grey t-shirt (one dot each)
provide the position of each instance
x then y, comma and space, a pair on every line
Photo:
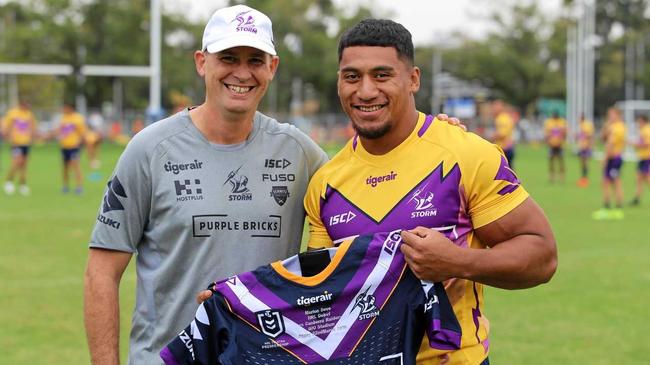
194, 212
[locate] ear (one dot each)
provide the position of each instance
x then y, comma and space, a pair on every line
275, 61
199, 62
415, 79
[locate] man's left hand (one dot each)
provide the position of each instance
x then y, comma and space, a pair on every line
452, 121
430, 255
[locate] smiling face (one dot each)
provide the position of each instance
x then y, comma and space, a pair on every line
376, 89
236, 79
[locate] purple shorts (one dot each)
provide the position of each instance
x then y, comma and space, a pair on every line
613, 168
585, 153
70, 154
644, 167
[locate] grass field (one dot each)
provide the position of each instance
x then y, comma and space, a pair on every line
593, 312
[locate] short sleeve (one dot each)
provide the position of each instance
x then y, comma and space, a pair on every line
492, 188
318, 236
124, 209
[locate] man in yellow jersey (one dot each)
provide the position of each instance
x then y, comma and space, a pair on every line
555, 130
70, 132
453, 190
18, 127
504, 128
585, 139
643, 152
613, 134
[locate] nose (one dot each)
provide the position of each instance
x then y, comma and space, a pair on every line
242, 72
367, 89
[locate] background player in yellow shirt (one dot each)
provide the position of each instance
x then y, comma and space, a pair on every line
585, 139
643, 151
19, 128
452, 189
555, 130
613, 134
504, 129
70, 132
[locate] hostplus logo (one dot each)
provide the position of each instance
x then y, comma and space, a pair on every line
423, 204
245, 22
307, 301
376, 180
176, 168
238, 184
187, 190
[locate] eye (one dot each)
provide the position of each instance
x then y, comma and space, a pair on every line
350, 76
228, 59
382, 75
257, 61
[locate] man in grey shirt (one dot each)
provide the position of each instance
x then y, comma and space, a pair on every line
209, 192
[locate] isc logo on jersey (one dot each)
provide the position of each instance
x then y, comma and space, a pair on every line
342, 218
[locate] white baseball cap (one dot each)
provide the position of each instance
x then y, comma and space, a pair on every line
238, 26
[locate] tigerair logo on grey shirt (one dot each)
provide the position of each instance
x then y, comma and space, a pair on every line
176, 168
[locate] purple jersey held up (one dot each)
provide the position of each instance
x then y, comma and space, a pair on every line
365, 307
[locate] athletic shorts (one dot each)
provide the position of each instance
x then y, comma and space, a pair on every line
585, 153
510, 154
486, 362
613, 168
17, 151
555, 151
70, 154
644, 167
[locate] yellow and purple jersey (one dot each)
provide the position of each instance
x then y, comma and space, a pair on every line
585, 134
504, 129
19, 125
72, 130
615, 143
643, 147
440, 177
555, 131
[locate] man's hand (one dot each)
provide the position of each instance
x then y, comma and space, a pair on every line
430, 255
452, 121
203, 296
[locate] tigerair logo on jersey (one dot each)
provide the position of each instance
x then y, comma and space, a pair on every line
176, 168
112, 202
316, 299
376, 180
239, 190
423, 204
188, 190
366, 304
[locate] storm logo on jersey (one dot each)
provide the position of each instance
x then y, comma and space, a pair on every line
366, 303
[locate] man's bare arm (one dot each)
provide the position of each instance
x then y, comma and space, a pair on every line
101, 304
522, 252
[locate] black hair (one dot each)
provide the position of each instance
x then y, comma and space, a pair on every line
644, 118
379, 33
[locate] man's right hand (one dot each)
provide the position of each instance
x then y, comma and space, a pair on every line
203, 296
